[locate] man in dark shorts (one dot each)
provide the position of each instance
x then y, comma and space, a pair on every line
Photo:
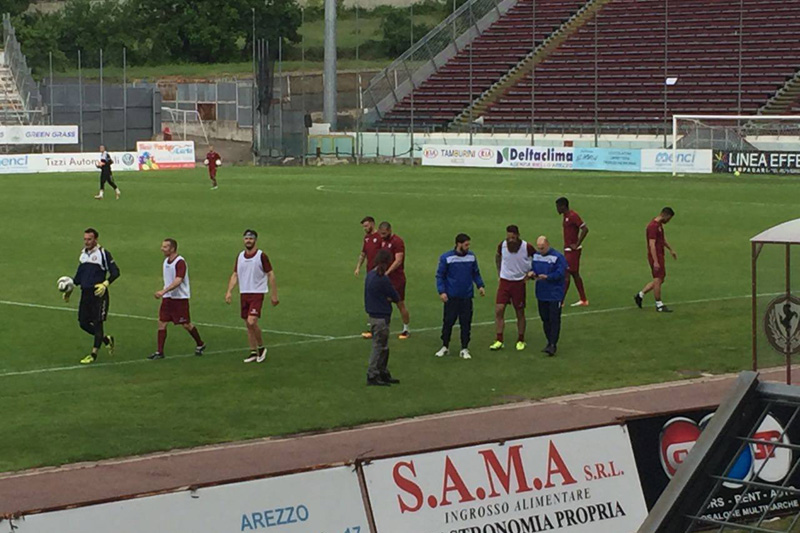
212, 161
396, 271
106, 176
96, 271
513, 261
174, 298
369, 249
575, 231
656, 243
253, 272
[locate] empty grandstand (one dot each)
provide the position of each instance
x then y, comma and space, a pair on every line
614, 64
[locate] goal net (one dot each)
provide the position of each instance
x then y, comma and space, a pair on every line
761, 144
185, 119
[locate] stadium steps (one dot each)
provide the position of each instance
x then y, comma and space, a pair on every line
11, 104
784, 99
529, 62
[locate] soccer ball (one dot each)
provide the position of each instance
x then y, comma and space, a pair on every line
737, 173
219, 162
65, 284
205, 162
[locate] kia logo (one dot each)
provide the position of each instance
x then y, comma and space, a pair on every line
431, 153
486, 153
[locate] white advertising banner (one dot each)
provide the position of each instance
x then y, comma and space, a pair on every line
689, 161
63, 162
497, 156
162, 155
58, 162
39, 135
323, 500
579, 482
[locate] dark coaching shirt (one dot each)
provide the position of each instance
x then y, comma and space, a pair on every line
379, 295
94, 264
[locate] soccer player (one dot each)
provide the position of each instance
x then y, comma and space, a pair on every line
96, 271
104, 164
253, 271
397, 248
212, 161
174, 298
513, 261
575, 231
549, 268
370, 248
457, 273
655, 256
379, 293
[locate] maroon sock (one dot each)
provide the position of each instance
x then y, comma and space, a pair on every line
500, 337
162, 337
566, 287
520, 337
196, 336
581, 290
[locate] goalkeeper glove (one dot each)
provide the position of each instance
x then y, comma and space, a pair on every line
100, 288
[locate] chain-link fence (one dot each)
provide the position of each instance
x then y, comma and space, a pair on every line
114, 115
222, 101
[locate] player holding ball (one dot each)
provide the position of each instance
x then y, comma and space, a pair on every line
212, 161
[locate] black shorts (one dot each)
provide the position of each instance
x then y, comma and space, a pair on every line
93, 308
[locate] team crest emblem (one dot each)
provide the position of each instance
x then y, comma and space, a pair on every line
782, 324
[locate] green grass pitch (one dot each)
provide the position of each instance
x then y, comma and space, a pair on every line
55, 411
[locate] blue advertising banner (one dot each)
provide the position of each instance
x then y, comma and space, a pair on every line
621, 160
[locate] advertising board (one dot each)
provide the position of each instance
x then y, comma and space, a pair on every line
620, 160
39, 135
497, 156
689, 161
164, 155
757, 162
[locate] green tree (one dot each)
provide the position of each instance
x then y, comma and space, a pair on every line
15, 7
38, 35
396, 27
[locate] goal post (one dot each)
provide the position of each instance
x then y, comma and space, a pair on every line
183, 116
739, 133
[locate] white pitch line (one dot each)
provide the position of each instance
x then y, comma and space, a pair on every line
323, 338
538, 194
152, 319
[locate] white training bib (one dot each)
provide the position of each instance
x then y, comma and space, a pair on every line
514, 266
182, 291
252, 278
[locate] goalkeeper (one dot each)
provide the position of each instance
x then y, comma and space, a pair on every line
212, 161
96, 271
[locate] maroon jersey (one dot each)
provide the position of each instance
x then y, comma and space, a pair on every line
655, 231
372, 244
572, 226
395, 245
213, 157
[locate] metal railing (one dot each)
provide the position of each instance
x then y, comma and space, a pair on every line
430, 53
23, 78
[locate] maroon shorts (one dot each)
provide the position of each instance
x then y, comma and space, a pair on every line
212, 171
174, 310
573, 258
661, 271
399, 284
251, 304
511, 292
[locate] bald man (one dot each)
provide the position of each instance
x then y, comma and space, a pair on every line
548, 269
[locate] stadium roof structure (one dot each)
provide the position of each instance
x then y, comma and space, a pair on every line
786, 233
786, 339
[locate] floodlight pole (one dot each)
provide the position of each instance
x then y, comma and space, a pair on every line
329, 66
666, 65
755, 248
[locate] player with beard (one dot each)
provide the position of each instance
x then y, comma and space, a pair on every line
513, 261
253, 272
370, 248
